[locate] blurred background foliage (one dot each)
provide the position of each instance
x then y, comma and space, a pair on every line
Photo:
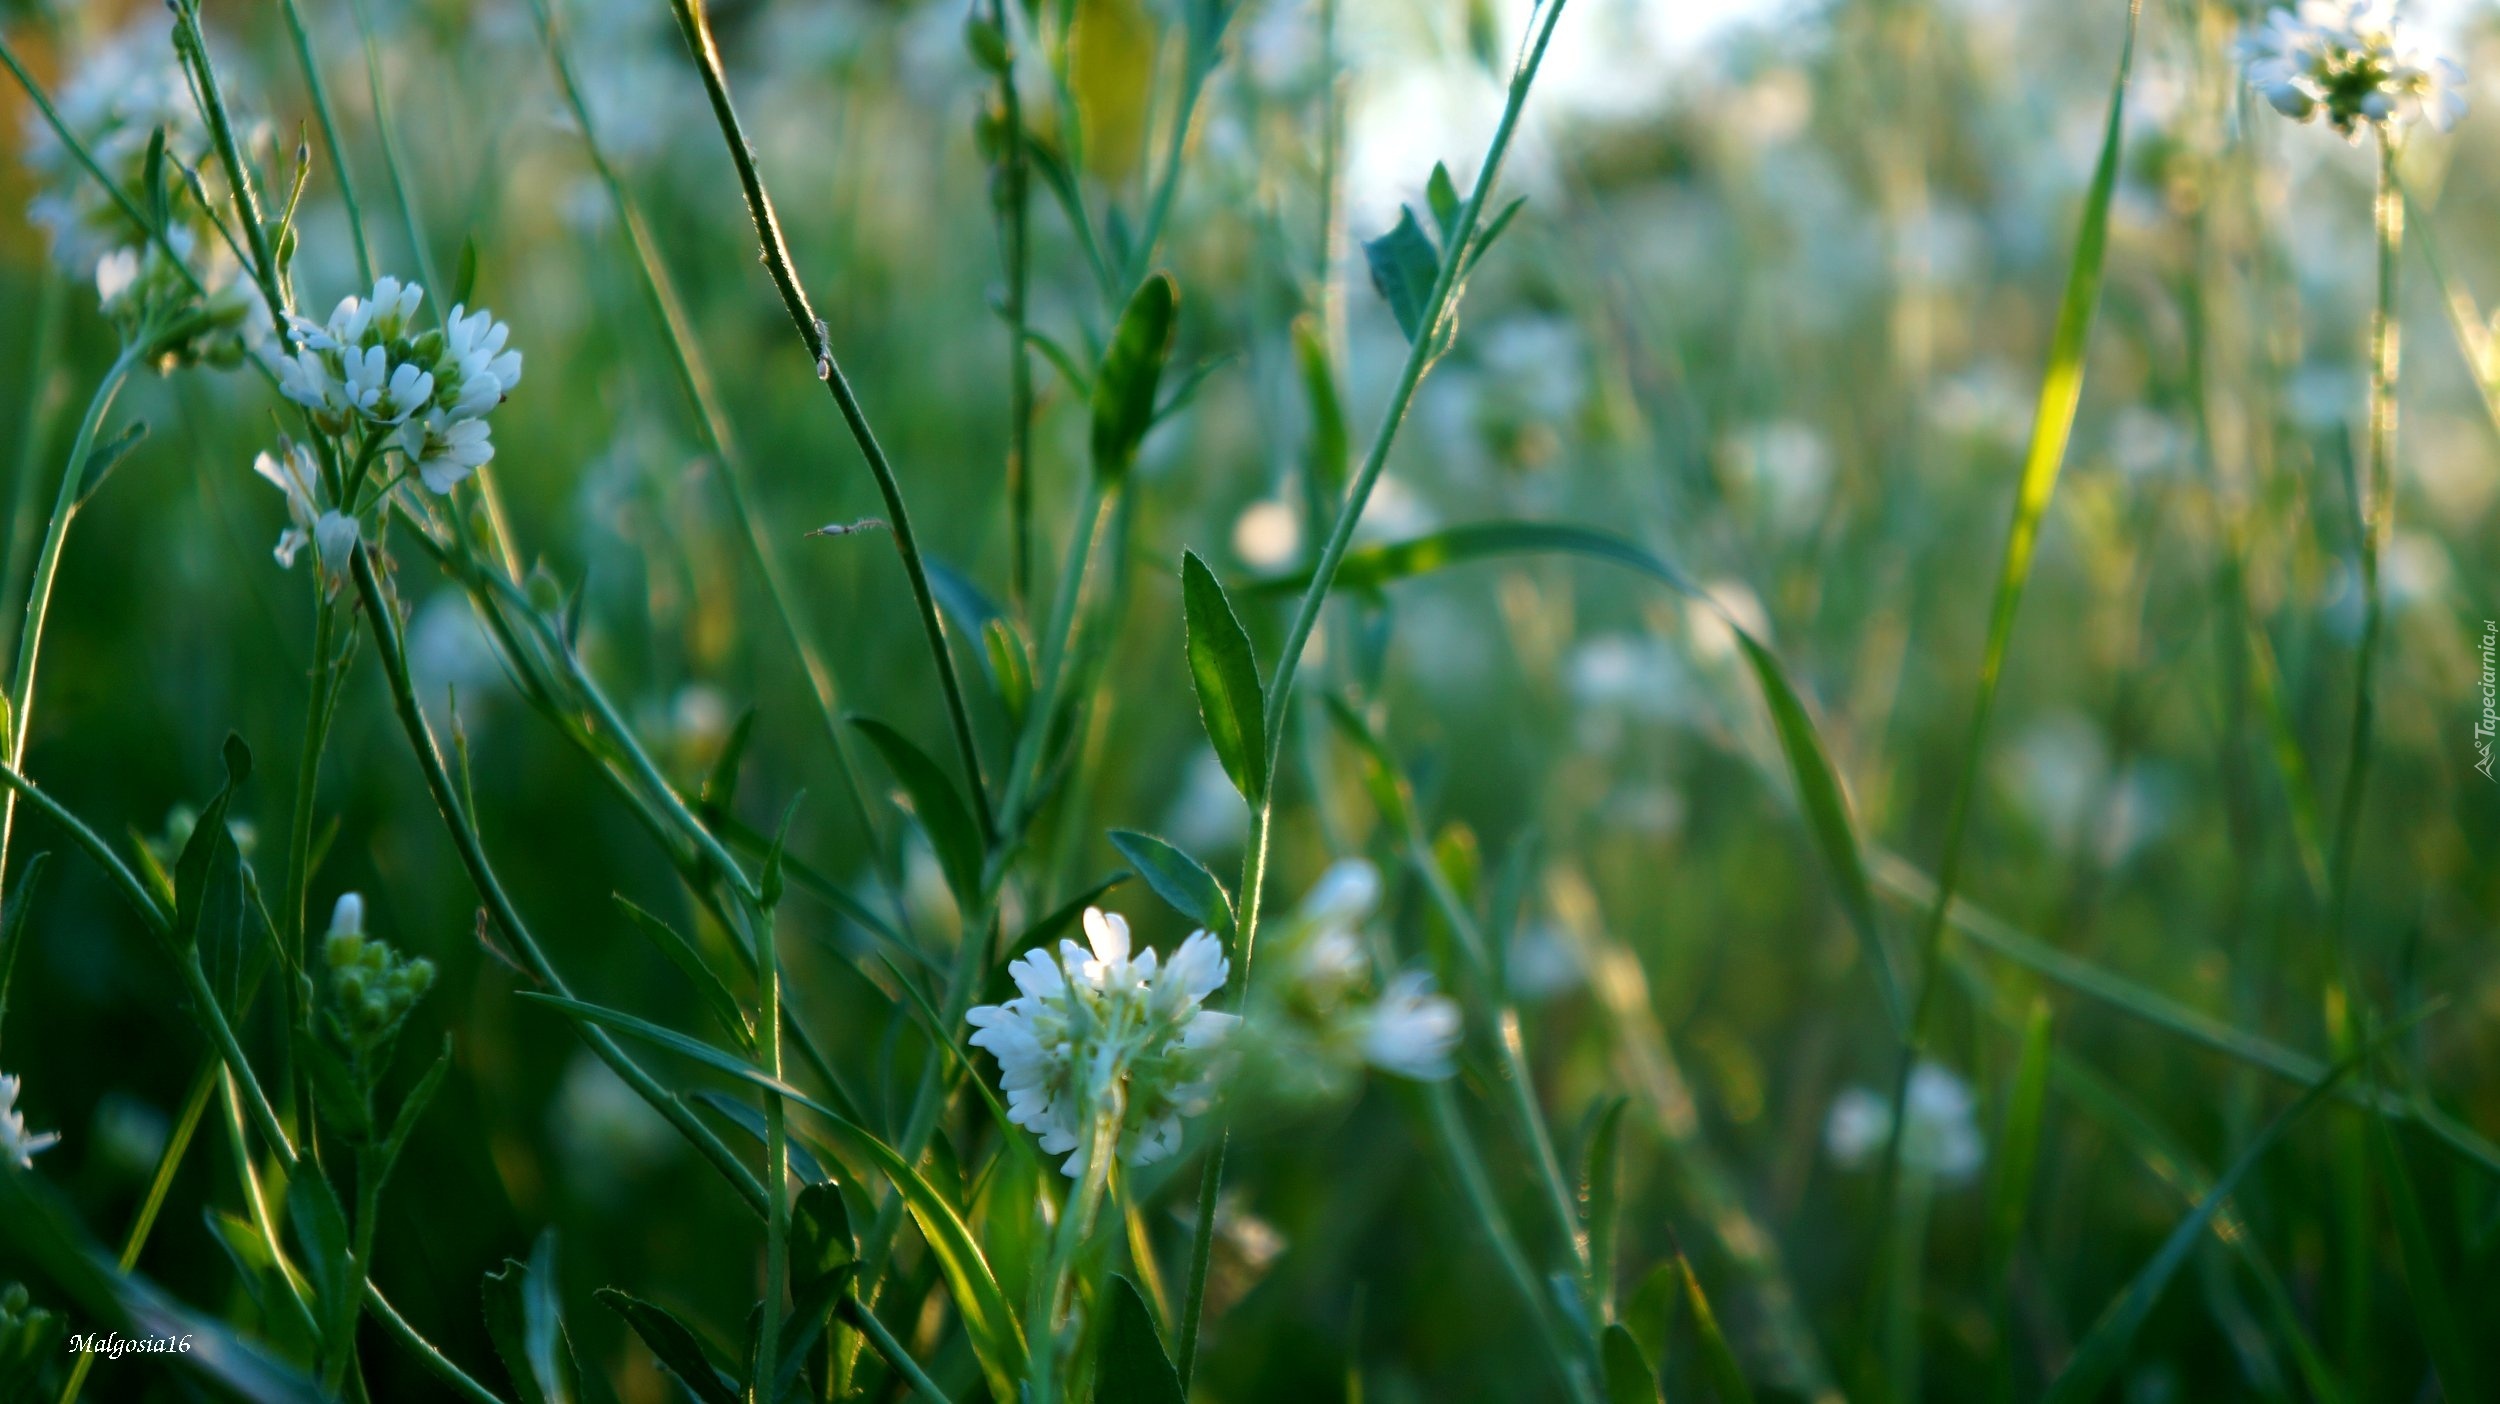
1776, 308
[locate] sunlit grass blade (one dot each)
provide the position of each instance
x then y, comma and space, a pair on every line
1718, 1361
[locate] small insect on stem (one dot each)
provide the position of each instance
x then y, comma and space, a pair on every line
847, 528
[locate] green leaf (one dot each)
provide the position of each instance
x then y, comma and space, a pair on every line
1124, 388
464, 279
1650, 1314
1011, 668
21, 901
1390, 791
941, 810
527, 1327
1819, 791
1493, 229
329, 1265
153, 185
412, 1108
1718, 1362
1178, 879
1601, 1191
1441, 196
336, 1090
2432, 1313
680, 1350
105, 457
1230, 700
991, 1325
715, 996
821, 1242
720, 784
1629, 1377
1134, 1369
1404, 266
2106, 1347
194, 887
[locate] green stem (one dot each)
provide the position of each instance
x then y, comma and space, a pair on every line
694, 377
1014, 218
41, 350
866, 1323
1419, 357
776, 1170
194, 50
21, 701
2377, 520
692, 20
388, 643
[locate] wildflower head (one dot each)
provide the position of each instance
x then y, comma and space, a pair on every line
2351, 63
371, 986
181, 297
369, 368
19, 1146
1941, 1135
1101, 1026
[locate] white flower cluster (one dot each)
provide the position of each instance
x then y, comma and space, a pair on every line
120, 97
18, 1146
2349, 61
1941, 1140
1088, 1028
368, 365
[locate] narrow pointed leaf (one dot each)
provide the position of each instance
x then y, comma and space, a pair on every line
1404, 267
1629, 1378
940, 807
1718, 1362
1230, 700
1135, 1368
679, 1349
707, 986
1132, 369
1177, 878
527, 1328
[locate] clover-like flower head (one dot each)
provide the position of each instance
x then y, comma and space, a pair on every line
2350, 62
1105, 1022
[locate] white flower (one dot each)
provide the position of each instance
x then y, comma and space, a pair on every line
18, 1146
1941, 1140
292, 471
446, 450
1105, 1023
475, 372
2349, 61
1410, 1030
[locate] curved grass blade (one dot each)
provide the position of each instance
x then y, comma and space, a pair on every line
717, 1000
1718, 1362
1629, 1378
2458, 1378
